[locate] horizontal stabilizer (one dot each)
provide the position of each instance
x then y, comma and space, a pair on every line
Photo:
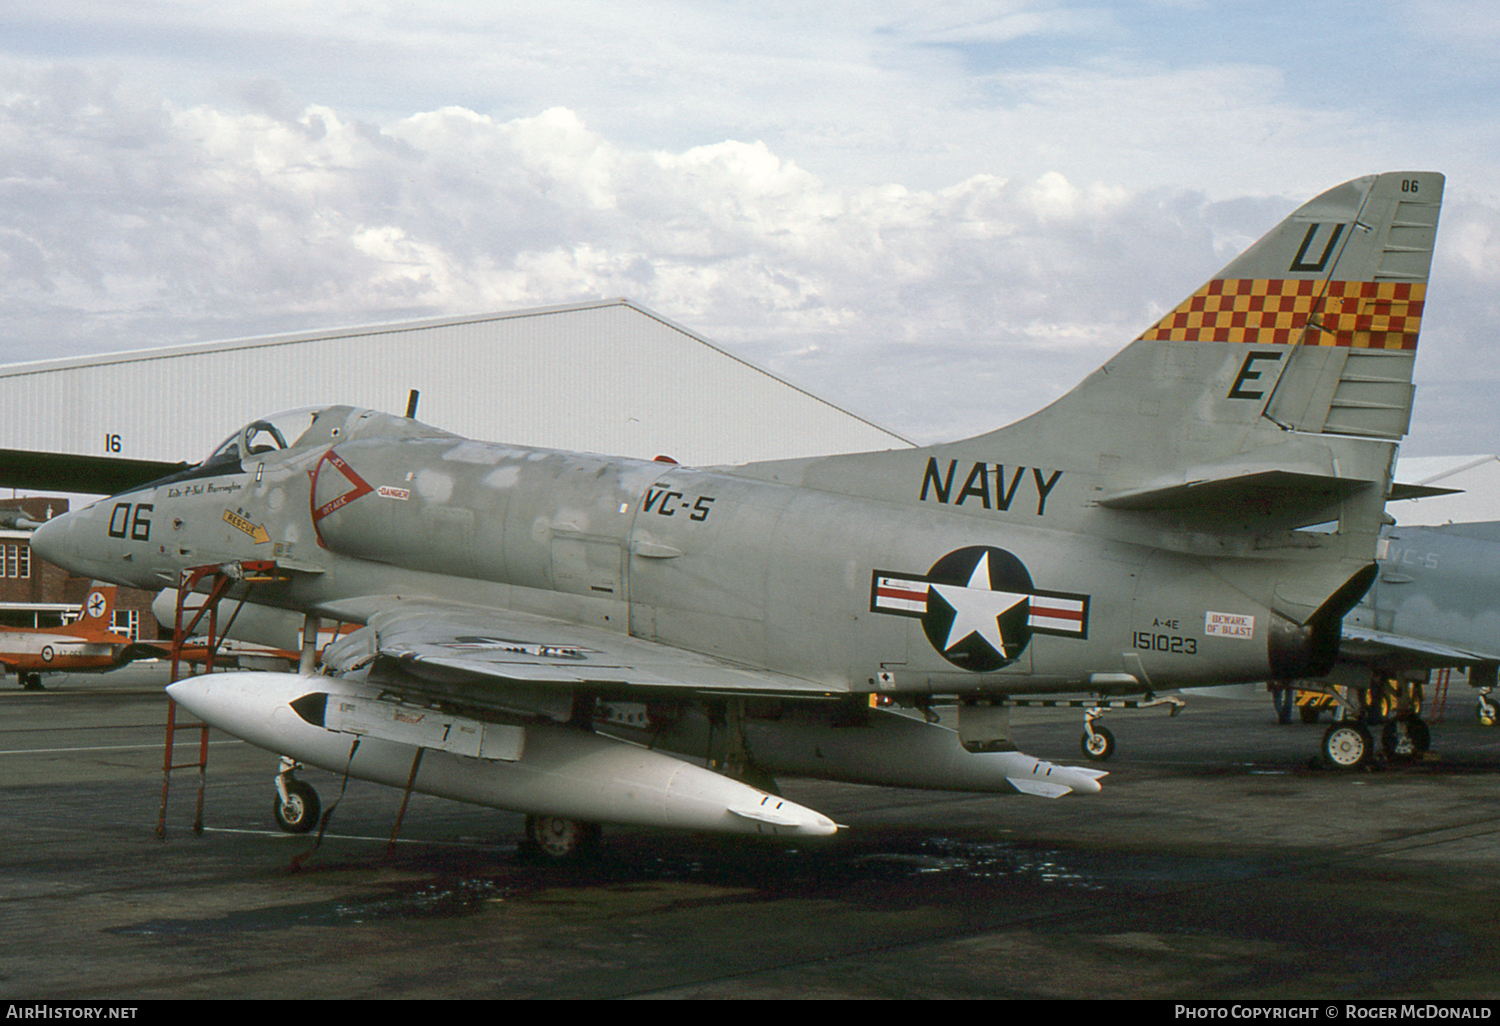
1289, 477
1401, 491
1267, 487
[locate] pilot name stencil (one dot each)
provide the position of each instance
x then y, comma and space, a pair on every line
989, 485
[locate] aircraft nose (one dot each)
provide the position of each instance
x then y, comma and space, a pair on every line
50, 541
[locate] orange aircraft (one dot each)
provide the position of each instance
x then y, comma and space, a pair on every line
88, 644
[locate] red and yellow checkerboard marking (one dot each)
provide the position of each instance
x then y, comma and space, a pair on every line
1357, 314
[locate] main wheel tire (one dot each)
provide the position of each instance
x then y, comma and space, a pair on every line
1099, 745
299, 813
1347, 745
560, 838
1308, 713
1405, 740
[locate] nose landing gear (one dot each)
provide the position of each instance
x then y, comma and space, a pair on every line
296, 806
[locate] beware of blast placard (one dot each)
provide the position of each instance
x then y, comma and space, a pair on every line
1229, 625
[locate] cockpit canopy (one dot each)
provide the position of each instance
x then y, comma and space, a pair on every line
308, 427
264, 435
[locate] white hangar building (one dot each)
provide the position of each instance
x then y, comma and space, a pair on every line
609, 377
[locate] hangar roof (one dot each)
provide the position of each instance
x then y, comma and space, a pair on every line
609, 376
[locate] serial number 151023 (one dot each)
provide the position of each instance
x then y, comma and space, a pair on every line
1150, 642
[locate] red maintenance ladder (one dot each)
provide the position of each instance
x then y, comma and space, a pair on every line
225, 576
1440, 695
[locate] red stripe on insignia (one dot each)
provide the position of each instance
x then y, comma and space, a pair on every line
1057, 612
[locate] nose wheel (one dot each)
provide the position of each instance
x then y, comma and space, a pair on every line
296, 806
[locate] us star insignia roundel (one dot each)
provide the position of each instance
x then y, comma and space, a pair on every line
978, 606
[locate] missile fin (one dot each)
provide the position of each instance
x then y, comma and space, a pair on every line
1039, 788
774, 812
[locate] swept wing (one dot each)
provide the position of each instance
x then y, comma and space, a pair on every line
442, 643
1362, 644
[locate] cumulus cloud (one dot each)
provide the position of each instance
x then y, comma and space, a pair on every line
128, 221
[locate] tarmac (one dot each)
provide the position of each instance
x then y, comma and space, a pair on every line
1221, 861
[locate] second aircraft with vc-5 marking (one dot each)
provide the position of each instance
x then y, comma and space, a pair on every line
1432, 606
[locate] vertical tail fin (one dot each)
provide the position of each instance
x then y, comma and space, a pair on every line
1311, 331
1347, 272
99, 608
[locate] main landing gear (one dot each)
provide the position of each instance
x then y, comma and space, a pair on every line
1405, 739
1349, 743
559, 838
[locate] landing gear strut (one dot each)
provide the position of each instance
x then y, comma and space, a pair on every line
1097, 743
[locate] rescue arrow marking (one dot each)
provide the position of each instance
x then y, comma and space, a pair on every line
255, 531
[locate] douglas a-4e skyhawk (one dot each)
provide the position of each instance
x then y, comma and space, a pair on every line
1204, 508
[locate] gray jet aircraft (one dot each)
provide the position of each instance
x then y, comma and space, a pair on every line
1433, 605
1204, 508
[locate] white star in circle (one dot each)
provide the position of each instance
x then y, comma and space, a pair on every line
976, 608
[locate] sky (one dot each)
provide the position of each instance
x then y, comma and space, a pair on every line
938, 215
